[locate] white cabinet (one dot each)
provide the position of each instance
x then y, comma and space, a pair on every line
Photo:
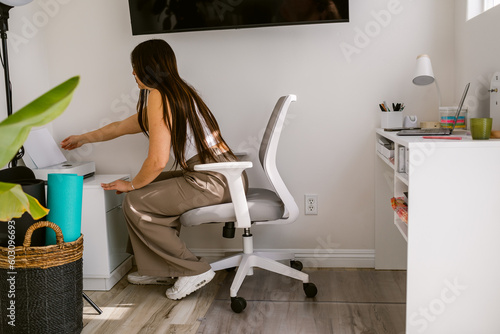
390, 245
105, 260
452, 234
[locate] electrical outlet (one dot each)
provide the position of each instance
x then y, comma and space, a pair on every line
311, 204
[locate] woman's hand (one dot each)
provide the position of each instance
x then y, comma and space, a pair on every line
73, 142
121, 186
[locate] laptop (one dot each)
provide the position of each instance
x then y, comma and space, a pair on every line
437, 131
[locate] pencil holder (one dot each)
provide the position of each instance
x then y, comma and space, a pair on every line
391, 120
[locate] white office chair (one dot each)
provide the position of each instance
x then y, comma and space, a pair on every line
258, 207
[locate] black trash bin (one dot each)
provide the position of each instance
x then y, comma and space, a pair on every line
36, 188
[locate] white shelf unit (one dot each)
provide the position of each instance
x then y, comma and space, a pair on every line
400, 184
105, 235
390, 247
450, 245
403, 177
387, 161
402, 227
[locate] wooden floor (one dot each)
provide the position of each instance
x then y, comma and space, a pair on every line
348, 301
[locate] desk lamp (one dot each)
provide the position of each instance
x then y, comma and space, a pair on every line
424, 74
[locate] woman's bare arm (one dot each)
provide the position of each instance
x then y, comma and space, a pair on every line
113, 130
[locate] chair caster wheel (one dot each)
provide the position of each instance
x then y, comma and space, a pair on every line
310, 289
297, 265
238, 304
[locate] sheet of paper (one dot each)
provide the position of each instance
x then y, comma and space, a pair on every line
43, 149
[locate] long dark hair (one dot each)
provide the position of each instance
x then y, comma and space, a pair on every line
155, 65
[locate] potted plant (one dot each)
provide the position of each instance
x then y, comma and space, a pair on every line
14, 131
33, 302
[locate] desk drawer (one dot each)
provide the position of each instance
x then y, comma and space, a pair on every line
117, 238
112, 200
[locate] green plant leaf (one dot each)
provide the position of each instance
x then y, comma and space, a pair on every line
14, 130
14, 202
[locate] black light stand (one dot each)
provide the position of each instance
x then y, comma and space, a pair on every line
4, 27
4, 17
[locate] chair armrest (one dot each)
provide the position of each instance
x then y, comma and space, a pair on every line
242, 155
232, 172
220, 167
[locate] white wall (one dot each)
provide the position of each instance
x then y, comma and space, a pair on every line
477, 56
340, 73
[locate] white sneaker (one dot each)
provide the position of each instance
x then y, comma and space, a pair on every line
189, 284
135, 278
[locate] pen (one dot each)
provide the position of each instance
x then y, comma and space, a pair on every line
436, 137
386, 106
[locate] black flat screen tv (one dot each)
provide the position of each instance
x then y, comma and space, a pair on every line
165, 16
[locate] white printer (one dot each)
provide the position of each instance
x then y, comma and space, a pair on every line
43, 156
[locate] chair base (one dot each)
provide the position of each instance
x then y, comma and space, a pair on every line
265, 260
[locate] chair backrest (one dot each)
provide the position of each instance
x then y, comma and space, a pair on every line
267, 157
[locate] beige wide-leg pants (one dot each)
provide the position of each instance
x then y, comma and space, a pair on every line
152, 215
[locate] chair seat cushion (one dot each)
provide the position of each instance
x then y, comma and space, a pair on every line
263, 205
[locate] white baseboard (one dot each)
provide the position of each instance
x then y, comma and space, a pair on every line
312, 258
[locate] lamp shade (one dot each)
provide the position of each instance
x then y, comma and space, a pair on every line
423, 73
14, 3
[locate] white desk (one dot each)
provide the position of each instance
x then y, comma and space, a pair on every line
453, 232
105, 236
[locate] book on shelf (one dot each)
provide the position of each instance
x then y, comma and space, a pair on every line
407, 162
401, 208
386, 148
401, 159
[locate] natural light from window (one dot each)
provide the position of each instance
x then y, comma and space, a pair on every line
476, 7
490, 4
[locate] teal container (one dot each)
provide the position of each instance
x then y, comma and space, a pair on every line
64, 200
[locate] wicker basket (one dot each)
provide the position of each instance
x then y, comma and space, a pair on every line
42, 287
